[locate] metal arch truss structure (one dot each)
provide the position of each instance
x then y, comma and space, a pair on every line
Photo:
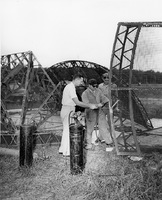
65, 70
40, 90
133, 112
23, 75
78, 65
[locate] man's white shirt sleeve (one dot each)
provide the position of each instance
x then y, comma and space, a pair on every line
68, 94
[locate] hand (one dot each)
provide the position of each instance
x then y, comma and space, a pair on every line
117, 110
99, 105
110, 110
93, 106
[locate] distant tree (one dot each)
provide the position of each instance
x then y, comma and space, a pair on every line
144, 77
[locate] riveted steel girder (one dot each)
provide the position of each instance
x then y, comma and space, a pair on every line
23, 75
130, 107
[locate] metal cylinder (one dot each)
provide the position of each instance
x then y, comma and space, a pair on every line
76, 148
26, 145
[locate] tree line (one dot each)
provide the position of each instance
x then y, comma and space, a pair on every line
143, 77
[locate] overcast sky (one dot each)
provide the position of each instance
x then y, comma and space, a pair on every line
60, 30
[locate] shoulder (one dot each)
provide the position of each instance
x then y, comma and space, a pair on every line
85, 92
100, 85
99, 91
113, 85
70, 85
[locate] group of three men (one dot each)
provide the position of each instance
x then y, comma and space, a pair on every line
96, 103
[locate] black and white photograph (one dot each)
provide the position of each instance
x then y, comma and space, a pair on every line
81, 100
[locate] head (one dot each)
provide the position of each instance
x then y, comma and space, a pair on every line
78, 79
92, 84
105, 78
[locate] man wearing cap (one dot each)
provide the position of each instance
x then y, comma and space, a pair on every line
104, 87
95, 96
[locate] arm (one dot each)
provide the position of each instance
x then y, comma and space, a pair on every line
86, 101
84, 97
80, 103
104, 99
84, 105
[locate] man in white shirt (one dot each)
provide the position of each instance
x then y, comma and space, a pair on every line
69, 101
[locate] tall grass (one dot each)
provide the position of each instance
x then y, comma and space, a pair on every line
120, 179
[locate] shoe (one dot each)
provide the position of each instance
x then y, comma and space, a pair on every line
109, 149
96, 143
110, 144
66, 155
88, 147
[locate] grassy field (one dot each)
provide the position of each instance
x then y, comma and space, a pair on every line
114, 178
153, 107
119, 179
151, 98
